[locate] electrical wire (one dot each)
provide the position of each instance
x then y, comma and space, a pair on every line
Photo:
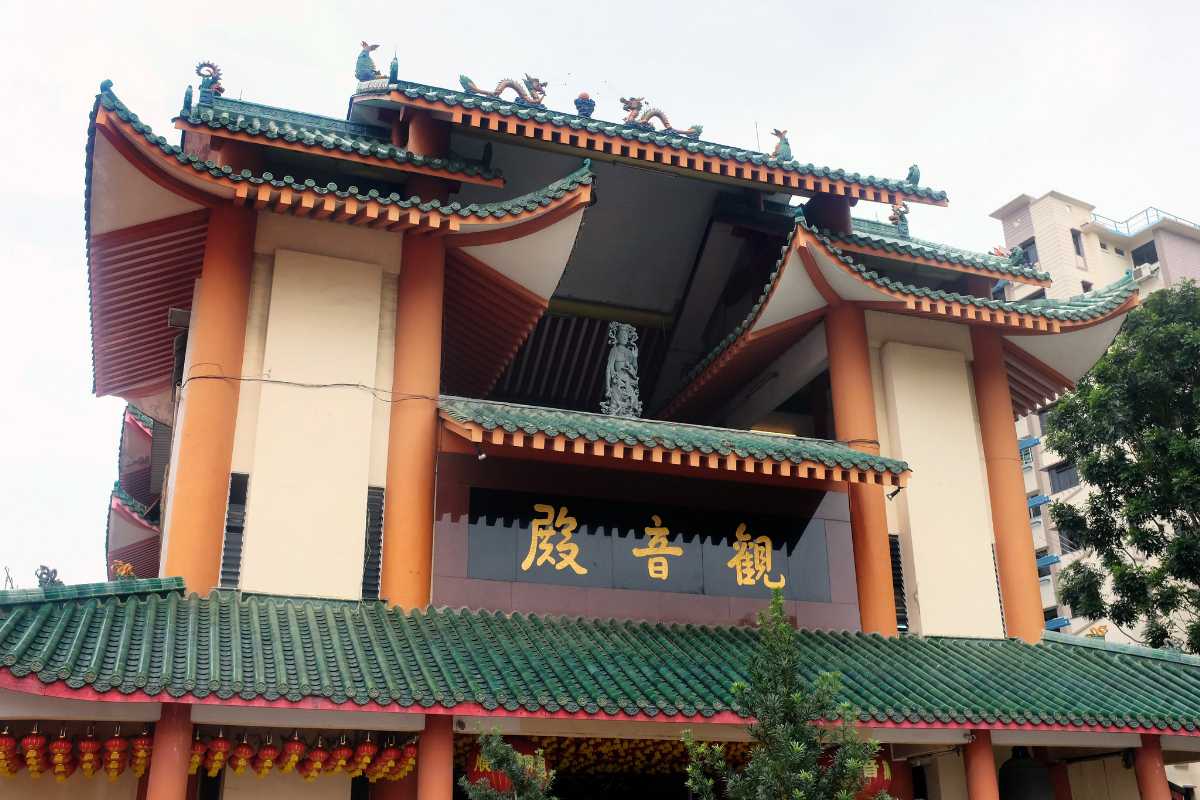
375, 391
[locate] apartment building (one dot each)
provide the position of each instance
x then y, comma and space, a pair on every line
1080, 249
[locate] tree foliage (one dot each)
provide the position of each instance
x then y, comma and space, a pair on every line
1132, 428
527, 773
791, 757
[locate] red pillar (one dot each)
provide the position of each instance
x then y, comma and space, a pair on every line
1060, 779
854, 422
168, 774
435, 759
980, 764
199, 487
1150, 771
413, 427
902, 781
404, 789
1015, 561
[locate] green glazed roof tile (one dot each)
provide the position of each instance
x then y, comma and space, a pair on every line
1081, 308
141, 416
511, 417
881, 236
497, 210
670, 139
325, 134
147, 636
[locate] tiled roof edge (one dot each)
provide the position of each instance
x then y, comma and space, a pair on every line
85, 591
936, 251
1134, 650
676, 141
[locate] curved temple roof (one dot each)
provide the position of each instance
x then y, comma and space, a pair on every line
145, 639
459, 101
700, 444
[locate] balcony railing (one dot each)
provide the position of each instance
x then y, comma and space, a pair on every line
1140, 221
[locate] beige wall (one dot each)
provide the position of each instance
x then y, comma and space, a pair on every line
249, 786
1103, 780
76, 787
926, 405
311, 448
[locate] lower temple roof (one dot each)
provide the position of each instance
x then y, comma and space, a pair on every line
145, 639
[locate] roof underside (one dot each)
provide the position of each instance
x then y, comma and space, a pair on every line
146, 639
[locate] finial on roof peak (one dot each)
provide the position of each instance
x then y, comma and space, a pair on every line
899, 217
210, 82
783, 148
105, 85
394, 69
364, 67
914, 175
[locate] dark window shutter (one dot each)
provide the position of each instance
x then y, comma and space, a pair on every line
898, 583
160, 454
235, 529
373, 550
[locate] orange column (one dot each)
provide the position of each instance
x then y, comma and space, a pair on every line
854, 423
902, 781
412, 433
199, 483
435, 759
1015, 561
1150, 771
981, 767
168, 775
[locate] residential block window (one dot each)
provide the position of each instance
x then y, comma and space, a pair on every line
1103, 246
1027, 458
1087, 285
1042, 415
1029, 248
1077, 242
1063, 476
1035, 515
1120, 252
1043, 572
1050, 613
1144, 254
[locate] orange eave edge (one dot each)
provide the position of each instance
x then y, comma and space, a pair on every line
618, 147
664, 459
167, 171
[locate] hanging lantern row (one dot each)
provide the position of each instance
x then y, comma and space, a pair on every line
390, 762
595, 756
65, 755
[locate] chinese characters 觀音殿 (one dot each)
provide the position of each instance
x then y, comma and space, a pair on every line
541, 549
657, 549
751, 560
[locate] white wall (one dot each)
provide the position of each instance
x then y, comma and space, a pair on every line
249, 786
943, 515
76, 787
312, 443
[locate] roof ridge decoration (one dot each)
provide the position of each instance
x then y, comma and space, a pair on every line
112, 639
385, 207
700, 443
890, 240
426, 95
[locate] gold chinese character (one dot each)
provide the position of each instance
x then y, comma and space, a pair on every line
542, 551
751, 560
658, 550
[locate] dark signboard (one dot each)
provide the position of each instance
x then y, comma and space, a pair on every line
589, 542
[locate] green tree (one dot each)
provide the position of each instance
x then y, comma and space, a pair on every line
1132, 428
805, 745
527, 773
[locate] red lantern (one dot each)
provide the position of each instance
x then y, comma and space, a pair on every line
33, 748
383, 763
116, 755
241, 756
878, 778
363, 754
341, 755
89, 753
311, 768
140, 747
479, 769
10, 762
265, 758
293, 751
199, 748
405, 764
63, 763
218, 752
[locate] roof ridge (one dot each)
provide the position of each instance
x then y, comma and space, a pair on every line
671, 139
937, 251
1133, 650
82, 591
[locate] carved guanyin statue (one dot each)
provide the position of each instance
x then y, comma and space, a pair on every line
621, 373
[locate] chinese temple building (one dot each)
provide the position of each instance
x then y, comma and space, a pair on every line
467, 412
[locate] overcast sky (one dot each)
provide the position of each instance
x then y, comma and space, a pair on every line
1096, 99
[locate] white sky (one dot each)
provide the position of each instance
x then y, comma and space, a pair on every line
1097, 99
